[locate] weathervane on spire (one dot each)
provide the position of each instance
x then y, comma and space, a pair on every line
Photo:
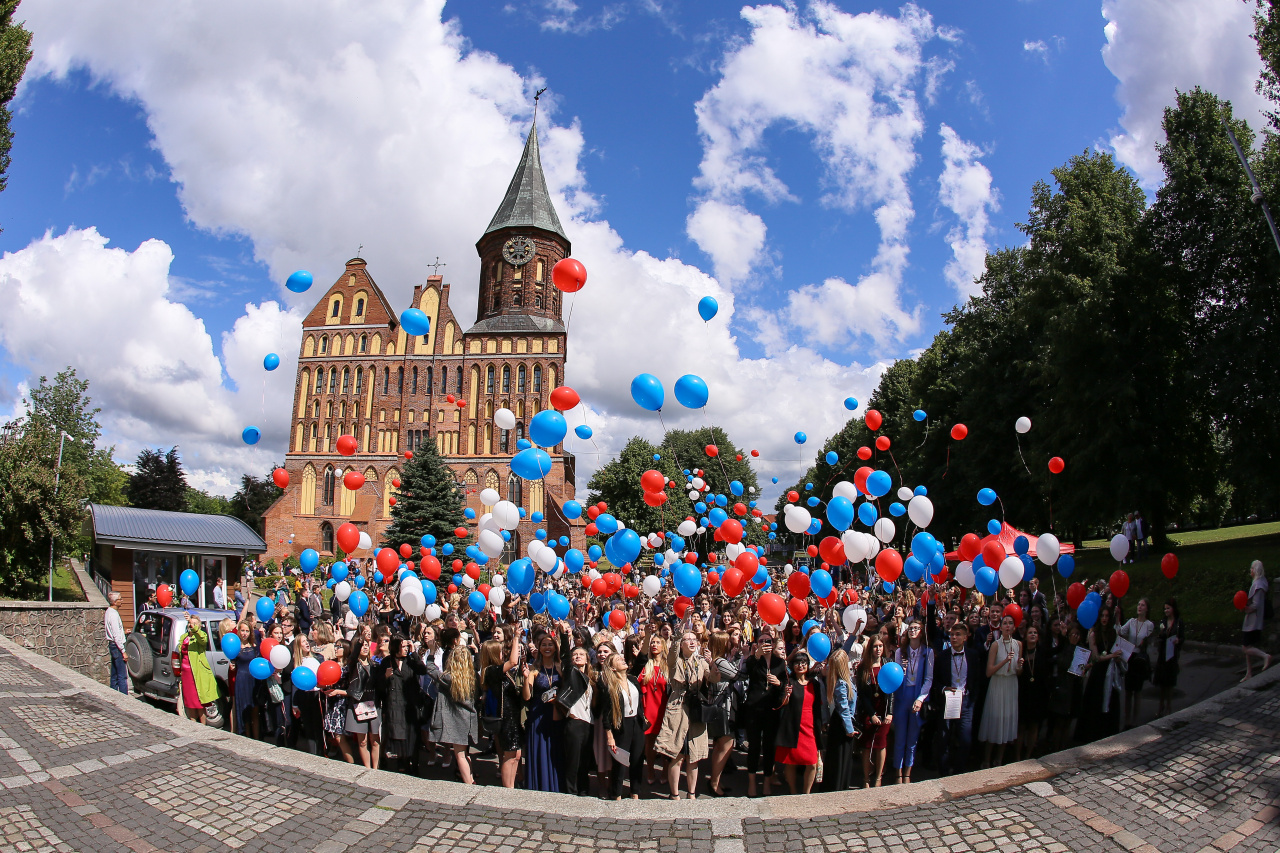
536, 96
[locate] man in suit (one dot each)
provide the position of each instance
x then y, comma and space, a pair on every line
959, 667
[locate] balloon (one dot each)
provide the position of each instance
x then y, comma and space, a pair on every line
797, 518
884, 530
569, 275
230, 645
564, 398
547, 428
387, 561
707, 308
852, 617
308, 560
1022, 425
647, 392
1066, 565
1087, 613
189, 581
1014, 612
251, 435
772, 608
531, 464
986, 581
920, 511
959, 431
265, 609
800, 438
365, 542
832, 551
993, 553
798, 585
353, 480
557, 605
1075, 594
260, 668
1011, 572
691, 391
820, 582
414, 601
582, 431
986, 497
1048, 548
338, 571
819, 646
626, 546
1119, 583
415, 322
1056, 465
919, 414
1119, 547
1169, 565
303, 678
964, 574
1021, 545
687, 579
851, 403
890, 677
342, 590
505, 418
299, 282
280, 657
520, 576
346, 445
970, 546
329, 673
281, 478
879, 483
1240, 600
889, 565
476, 601
873, 419
348, 535
271, 361
840, 513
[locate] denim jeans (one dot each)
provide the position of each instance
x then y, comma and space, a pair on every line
119, 674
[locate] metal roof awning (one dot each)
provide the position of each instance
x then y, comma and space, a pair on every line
179, 532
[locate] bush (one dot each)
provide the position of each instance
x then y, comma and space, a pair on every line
268, 582
271, 567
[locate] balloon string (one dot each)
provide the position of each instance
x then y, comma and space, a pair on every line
901, 480
948, 468
569, 319
1018, 442
926, 435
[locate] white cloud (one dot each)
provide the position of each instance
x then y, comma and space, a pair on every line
1156, 46
849, 81
964, 188
313, 127
1037, 48
732, 235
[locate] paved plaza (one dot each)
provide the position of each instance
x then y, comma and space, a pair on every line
85, 769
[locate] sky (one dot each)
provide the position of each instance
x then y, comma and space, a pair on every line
832, 173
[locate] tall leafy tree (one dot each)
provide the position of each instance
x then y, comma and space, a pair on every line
430, 502
34, 508
158, 481
64, 405
15, 53
617, 483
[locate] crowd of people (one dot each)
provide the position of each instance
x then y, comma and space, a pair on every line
658, 702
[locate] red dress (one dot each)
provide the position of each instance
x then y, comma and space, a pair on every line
805, 752
190, 697
655, 701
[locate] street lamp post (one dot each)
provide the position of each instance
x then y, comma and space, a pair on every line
57, 477
1257, 197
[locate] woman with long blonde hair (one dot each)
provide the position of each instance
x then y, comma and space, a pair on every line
842, 698
622, 714
454, 721
653, 690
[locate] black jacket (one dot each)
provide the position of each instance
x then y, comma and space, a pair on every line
869, 696
790, 719
976, 680
604, 707
760, 696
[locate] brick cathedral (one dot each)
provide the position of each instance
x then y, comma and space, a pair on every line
359, 375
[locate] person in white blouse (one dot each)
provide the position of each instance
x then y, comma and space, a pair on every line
1138, 631
1253, 618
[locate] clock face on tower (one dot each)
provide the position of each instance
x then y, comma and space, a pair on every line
517, 251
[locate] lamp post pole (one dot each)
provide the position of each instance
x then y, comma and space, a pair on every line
57, 477
1257, 197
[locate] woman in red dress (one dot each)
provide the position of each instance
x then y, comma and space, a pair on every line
801, 722
653, 690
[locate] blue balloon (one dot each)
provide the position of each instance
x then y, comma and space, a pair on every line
582, 431
994, 526
251, 435
913, 569
808, 487
691, 391
427, 541
647, 391
1021, 545
446, 548
808, 623
986, 580
531, 464
299, 282
520, 576
879, 483
626, 546
231, 645
832, 457
557, 605
659, 559
1028, 566
303, 678
896, 509
921, 490
707, 308
476, 601
736, 488
717, 517
429, 593
537, 518
1066, 565
330, 583
548, 428
851, 403
572, 509
338, 571
541, 534
688, 580
867, 514
721, 500
594, 552
890, 677
888, 589
189, 581
700, 507
924, 546
261, 668
359, 603
606, 523
801, 438
265, 608
537, 602
656, 457
840, 513
761, 576
986, 497
271, 361
415, 322
819, 647
564, 540
308, 560
469, 513
820, 582
815, 526
359, 581
378, 578
523, 444
1087, 613
919, 414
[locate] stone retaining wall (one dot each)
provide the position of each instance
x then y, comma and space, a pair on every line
68, 632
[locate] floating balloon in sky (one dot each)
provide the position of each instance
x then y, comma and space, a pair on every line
1022, 425
707, 308
691, 391
271, 361
251, 435
919, 414
569, 275
415, 322
299, 282
646, 390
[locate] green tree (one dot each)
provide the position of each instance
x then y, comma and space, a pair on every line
205, 503
64, 404
35, 506
158, 481
15, 53
255, 497
430, 502
617, 483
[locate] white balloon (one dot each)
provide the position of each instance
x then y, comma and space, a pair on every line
505, 419
1119, 547
693, 496
904, 494
280, 657
854, 618
732, 550
655, 539
594, 574
488, 522
365, 542
855, 550
468, 581
432, 612
787, 570
496, 580
651, 585
507, 515
873, 545
671, 557
701, 530
489, 497
621, 526
798, 519
547, 559
311, 664
964, 574
688, 527
1048, 549
497, 595
884, 529
342, 589
532, 549
490, 544
413, 602
410, 582
845, 489
698, 483
1011, 572
751, 489
920, 511
1022, 425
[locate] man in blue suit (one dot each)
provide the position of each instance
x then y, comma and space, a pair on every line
960, 667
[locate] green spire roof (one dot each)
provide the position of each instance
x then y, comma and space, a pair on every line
527, 202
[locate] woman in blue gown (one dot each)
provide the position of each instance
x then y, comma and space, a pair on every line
542, 728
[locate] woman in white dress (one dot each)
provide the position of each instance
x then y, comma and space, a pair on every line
1137, 630
1000, 714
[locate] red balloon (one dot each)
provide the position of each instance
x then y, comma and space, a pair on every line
484, 589
599, 587
328, 673
408, 454
993, 554
882, 442
682, 604
586, 581
473, 571
860, 477
738, 457
265, 647
347, 445
348, 537
740, 508
830, 600
747, 563
733, 583
613, 581
691, 557
387, 561
1240, 600
457, 566
970, 546
873, 420
391, 501
798, 584
453, 587
652, 481
755, 453
593, 512
713, 578
430, 568
423, 550
460, 532
449, 398
798, 608
889, 565
602, 506
1075, 594
409, 565
832, 550
1169, 565
772, 608
1119, 583
712, 450
959, 431
591, 529
406, 550
631, 591
812, 550
164, 595
655, 498
793, 496
1056, 465
864, 452
711, 558
395, 483
569, 275
942, 575
353, 480
564, 398
1014, 611
731, 530
280, 477
617, 620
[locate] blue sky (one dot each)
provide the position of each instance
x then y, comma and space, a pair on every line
183, 169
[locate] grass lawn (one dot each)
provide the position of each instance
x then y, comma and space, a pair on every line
1212, 566
65, 587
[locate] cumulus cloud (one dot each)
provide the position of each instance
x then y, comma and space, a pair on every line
1037, 48
850, 82
964, 188
1156, 46
310, 128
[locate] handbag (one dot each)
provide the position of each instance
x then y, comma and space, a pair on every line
365, 711
274, 690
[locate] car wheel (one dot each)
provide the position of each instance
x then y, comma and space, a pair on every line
141, 663
214, 716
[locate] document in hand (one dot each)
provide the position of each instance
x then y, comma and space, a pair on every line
1079, 661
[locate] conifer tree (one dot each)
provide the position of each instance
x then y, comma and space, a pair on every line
429, 502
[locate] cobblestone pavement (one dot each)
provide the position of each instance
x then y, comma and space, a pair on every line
83, 772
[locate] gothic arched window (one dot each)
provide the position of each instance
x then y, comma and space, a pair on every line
537, 379
364, 343
429, 384
488, 382
326, 537
506, 379
359, 379
399, 380
324, 344
359, 307
346, 379
329, 479
520, 379
414, 387
320, 380
333, 380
